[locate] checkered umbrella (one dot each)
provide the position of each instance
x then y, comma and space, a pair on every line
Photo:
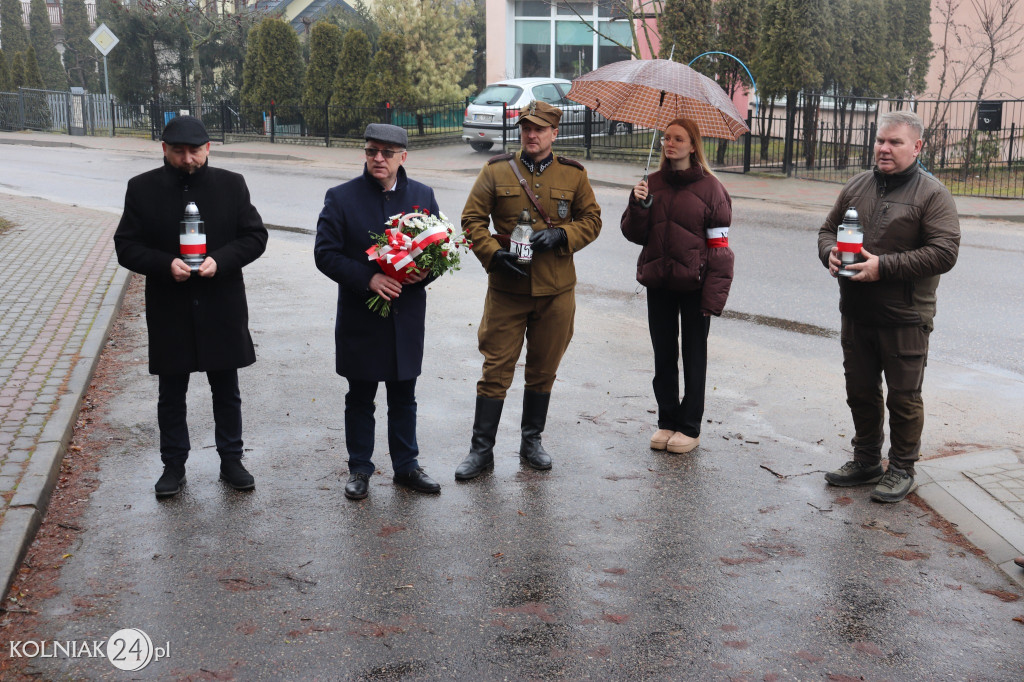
652, 92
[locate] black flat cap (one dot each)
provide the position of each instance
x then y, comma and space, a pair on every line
387, 133
185, 130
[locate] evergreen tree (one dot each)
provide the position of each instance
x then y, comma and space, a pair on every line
137, 72
13, 36
5, 74
17, 73
439, 45
324, 56
41, 34
908, 26
79, 54
33, 78
359, 17
252, 69
387, 79
686, 25
346, 97
280, 66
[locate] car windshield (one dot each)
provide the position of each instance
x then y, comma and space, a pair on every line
498, 94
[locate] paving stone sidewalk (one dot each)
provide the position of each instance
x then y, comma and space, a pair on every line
60, 292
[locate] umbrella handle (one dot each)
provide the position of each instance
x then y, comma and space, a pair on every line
646, 203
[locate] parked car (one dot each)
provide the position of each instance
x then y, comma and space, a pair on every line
482, 124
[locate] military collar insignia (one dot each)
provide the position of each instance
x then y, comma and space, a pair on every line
535, 167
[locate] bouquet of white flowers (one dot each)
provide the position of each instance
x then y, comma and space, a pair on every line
416, 242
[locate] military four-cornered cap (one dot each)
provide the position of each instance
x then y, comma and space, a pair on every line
387, 133
185, 130
540, 113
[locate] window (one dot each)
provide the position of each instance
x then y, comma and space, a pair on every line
533, 49
574, 54
560, 44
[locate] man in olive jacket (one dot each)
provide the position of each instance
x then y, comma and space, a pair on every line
911, 236
536, 301
197, 321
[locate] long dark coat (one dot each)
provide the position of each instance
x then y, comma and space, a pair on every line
370, 347
201, 324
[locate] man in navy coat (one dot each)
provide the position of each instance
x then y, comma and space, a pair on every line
197, 321
371, 348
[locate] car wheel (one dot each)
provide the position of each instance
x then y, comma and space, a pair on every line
481, 146
619, 127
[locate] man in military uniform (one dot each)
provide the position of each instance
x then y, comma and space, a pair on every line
536, 301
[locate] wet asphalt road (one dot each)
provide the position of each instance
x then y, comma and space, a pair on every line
733, 562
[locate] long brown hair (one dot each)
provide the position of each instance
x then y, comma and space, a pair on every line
697, 156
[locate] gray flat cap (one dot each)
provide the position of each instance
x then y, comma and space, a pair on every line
185, 130
387, 133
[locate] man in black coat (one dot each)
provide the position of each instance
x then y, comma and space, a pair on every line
371, 348
198, 320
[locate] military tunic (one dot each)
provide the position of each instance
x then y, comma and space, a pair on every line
541, 306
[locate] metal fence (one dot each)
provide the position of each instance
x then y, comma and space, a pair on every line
974, 147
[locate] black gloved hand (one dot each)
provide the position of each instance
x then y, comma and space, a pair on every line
506, 260
545, 240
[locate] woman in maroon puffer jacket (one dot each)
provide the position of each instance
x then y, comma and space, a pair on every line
681, 218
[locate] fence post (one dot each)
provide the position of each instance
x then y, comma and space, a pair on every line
112, 132
787, 150
1009, 152
945, 137
273, 126
327, 123
588, 122
67, 102
223, 121
21, 109
749, 142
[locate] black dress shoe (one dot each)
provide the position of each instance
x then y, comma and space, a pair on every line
170, 481
418, 480
235, 475
358, 486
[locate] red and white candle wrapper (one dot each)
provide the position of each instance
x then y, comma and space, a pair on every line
849, 241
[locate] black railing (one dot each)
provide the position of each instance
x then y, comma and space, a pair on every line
975, 148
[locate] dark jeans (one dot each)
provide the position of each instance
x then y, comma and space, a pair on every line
227, 415
901, 354
668, 314
360, 425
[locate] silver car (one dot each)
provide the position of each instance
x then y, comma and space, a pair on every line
482, 124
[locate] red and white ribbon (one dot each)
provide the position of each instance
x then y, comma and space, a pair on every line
718, 237
402, 250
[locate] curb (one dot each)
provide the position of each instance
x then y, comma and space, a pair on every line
941, 488
28, 506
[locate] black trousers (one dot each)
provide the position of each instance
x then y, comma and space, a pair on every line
677, 325
900, 354
360, 425
227, 415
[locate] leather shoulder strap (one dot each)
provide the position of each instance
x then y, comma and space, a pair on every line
529, 192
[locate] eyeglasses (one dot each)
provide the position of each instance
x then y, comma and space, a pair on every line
372, 152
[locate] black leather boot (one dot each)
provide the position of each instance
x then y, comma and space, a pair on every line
235, 475
535, 415
481, 448
171, 480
